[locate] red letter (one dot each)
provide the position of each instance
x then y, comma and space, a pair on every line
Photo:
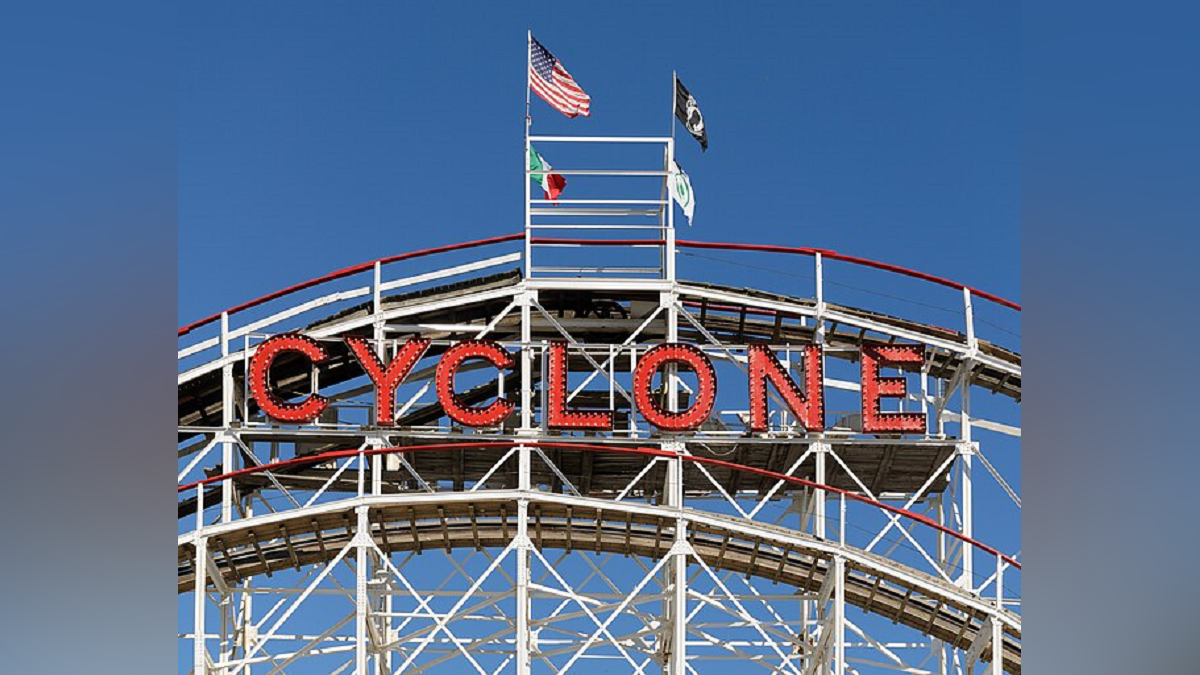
260, 370
488, 416
706, 394
875, 387
387, 379
808, 406
558, 416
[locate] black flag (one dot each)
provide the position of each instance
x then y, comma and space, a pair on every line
688, 112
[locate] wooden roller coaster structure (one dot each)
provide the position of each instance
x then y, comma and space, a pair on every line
342, 544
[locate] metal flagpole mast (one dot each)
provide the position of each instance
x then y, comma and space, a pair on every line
667, 261
674, 100
528, 64
525, 166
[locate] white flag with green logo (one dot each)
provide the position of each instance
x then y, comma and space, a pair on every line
681, 192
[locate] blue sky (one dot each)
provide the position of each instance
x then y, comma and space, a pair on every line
313, 136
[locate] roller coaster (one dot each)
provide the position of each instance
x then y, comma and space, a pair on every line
537, 510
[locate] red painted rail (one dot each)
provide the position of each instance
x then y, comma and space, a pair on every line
834, 255
647, 452
354, 269
682, 243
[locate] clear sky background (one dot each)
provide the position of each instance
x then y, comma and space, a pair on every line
317, 135
313, 136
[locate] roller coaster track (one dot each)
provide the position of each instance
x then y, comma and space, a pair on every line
269, 544
596, 517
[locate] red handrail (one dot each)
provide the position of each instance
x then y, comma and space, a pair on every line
683, 243
834, 255
648, 452
354, 269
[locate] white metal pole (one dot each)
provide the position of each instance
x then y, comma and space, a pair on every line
527, 354
839, 617
200, 653
246, 607
360, 594
674, 606
820, 318
385, 659
679, 609
819, 454
679, 574
528, 68
226, 644
820, 449
226, 423
939, 646
377, 298
669, 221
997, 627
669, 253
967, 512
377, 461
674, 100
671, 381
967, 450
668, 204
842, 519
968, 361
525, 166
523, 656
810, 658
524, 483
925, 393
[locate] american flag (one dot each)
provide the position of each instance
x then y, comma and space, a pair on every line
554, 84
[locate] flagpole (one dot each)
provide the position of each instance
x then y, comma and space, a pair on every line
669, 211
674, 102
528, 66
525, 159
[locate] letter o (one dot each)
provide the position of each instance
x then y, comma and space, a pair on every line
706, 394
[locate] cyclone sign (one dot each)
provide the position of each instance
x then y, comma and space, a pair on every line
805, 400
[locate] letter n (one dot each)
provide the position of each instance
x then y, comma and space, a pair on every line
808, 405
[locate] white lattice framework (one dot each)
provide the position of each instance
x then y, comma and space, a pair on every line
342, 547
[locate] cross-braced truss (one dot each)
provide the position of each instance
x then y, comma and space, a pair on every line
346, 546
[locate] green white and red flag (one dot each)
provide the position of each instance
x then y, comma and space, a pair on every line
541, 171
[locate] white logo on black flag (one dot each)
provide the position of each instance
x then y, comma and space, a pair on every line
688, 112
681, 192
